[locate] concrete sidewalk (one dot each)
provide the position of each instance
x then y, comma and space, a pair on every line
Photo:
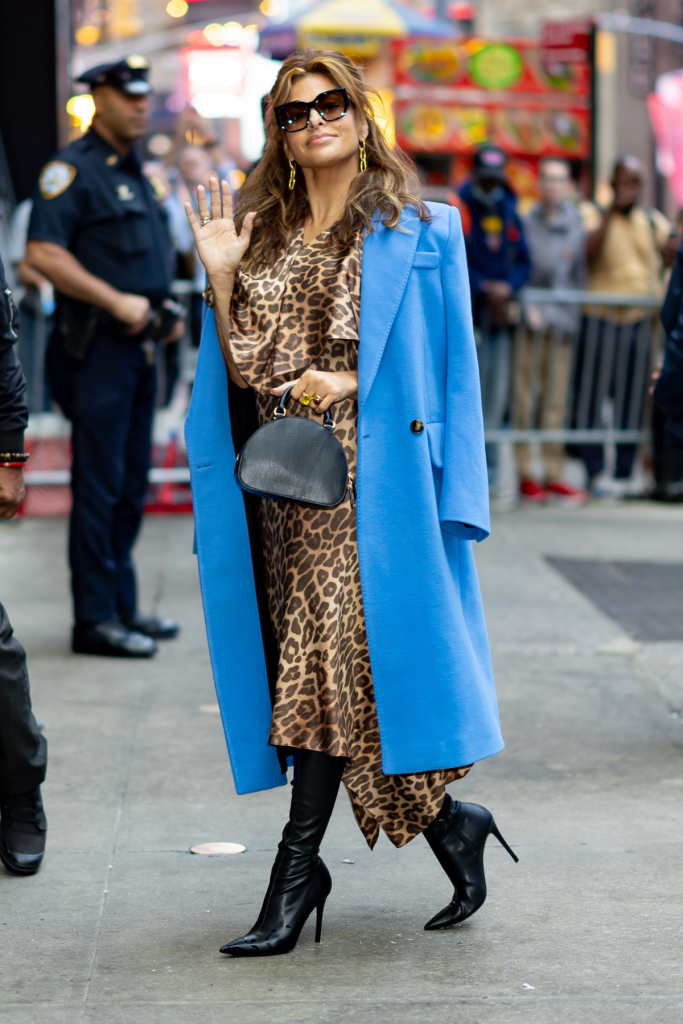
123, 925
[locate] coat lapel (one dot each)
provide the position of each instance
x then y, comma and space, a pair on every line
388, 256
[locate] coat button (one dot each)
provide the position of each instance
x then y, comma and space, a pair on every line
417, 426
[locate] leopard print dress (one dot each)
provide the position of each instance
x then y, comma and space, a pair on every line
304, 312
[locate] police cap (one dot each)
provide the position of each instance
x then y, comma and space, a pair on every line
129, 75
490, 162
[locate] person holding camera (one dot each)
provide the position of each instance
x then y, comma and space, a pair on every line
23, 751
98, 232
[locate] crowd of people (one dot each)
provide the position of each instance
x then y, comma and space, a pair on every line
561, 349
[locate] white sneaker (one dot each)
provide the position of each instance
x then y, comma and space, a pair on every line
603, 486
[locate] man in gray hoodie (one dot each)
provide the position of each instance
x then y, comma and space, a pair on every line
557, 245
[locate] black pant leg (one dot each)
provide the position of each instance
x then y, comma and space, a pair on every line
103, 388
23, 751
129, 511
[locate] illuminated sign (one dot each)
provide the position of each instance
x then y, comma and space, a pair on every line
215, 81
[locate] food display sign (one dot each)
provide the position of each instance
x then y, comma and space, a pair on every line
452, 128
511, 65
452, 95
496, 66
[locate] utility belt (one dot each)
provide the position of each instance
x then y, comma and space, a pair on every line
79, 323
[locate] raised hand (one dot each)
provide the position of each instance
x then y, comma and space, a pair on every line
219, 246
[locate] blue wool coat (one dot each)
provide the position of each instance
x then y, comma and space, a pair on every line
422, 499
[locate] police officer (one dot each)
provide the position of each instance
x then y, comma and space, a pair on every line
98, 232
23, 751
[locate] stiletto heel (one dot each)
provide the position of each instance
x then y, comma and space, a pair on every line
496, 833
458, 837
319, 920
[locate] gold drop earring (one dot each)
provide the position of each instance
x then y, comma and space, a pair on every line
292, 175
363, 155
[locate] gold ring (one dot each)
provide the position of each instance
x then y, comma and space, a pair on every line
205, 220
306, 399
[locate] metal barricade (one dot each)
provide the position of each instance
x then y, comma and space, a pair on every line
546, 384
586, 383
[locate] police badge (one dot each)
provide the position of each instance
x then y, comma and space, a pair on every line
55, 178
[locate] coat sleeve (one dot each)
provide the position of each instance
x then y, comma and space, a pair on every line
464, 500
13, 410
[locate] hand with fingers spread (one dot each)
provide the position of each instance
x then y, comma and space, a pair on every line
219, 246
320, 389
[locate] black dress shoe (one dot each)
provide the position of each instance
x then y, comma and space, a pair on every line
148, 625
111, 639
23, 829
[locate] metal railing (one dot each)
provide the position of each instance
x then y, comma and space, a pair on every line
583, 384
575, 369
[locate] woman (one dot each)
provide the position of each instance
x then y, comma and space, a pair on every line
389, 690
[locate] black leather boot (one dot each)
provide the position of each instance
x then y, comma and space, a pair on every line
299, 881
458, 837
23, 828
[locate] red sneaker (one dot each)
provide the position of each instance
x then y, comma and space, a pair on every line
532, 491
561, 491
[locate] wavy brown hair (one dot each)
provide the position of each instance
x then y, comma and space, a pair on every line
387, 186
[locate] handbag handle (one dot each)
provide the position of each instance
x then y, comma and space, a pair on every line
281, 410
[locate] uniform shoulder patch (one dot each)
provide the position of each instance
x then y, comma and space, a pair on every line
55, 178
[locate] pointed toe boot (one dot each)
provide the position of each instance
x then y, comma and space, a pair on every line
291, 900
458, 837
299, 881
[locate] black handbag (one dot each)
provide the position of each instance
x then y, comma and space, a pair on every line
295, 459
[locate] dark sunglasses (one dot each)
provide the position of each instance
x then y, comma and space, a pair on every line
331, 105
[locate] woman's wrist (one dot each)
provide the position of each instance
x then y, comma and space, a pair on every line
222, 284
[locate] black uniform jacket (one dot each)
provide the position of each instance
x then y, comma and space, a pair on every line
101, 207
13, 409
